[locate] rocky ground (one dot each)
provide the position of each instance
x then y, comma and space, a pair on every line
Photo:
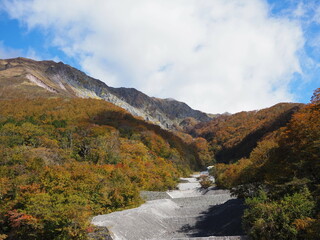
186, 213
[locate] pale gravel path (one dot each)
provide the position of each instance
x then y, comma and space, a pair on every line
178, 214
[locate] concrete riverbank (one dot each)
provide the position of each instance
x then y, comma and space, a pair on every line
186, 213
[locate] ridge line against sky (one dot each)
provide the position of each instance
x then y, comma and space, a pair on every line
216, 56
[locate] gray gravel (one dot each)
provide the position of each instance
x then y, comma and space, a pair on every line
187, 213
152, 195
214, 238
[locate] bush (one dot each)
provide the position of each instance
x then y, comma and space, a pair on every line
205, 181
268, 220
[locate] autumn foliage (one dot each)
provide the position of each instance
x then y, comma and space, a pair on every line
64, 160
232, 137
280, 179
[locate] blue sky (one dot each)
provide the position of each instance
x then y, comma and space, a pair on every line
216, 56
304, 84
20, 41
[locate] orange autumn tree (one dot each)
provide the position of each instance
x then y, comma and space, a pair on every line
65, 160
281, 180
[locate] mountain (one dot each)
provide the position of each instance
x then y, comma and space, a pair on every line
233, 136
65, 148
21, 77
230, 136
68, 153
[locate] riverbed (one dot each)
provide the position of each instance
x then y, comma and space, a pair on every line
186, 213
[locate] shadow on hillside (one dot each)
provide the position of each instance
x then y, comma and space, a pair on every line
218, 220
245, 147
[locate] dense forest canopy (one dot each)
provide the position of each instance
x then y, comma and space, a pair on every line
233, 136
65, 160
281, 179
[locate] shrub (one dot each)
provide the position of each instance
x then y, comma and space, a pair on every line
267, 219
205, 181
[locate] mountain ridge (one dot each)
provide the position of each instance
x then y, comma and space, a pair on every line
27, 76
234, 136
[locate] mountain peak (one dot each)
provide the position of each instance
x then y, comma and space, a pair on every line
28, 78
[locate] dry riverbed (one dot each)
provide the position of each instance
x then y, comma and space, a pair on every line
186, 213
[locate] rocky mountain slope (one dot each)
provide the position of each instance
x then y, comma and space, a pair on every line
230, 136
21, 77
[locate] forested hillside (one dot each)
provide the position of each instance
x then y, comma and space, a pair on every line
233, 136
65, 160
280, 180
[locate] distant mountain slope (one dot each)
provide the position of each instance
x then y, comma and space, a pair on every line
234, 136
21, 77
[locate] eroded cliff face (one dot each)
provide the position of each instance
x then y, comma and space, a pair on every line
21, 77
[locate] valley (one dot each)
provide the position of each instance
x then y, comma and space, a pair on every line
77, 155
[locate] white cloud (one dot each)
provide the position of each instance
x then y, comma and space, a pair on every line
316, 17
31, 53
7, 52
216, 56
300, 10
